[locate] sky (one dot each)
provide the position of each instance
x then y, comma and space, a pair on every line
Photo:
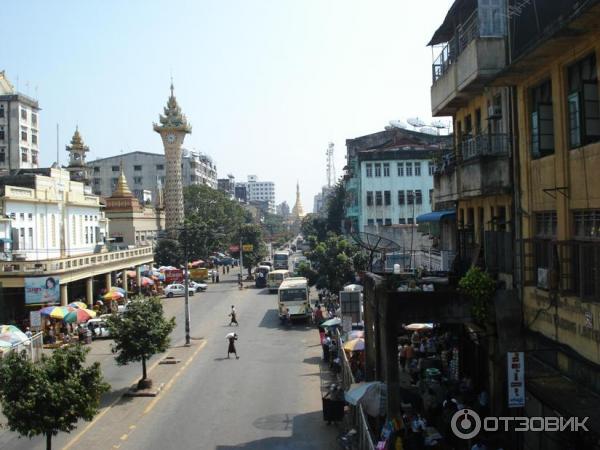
266, 84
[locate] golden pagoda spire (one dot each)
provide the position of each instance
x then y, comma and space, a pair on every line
298, 209
122, 188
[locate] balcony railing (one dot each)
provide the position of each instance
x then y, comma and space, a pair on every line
66, 264
484, 145
446, 162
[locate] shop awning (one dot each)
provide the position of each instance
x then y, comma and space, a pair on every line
436, 216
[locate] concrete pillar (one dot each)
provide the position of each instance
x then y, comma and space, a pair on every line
124, 279
89, 291
108, 281
138, 278
64, 295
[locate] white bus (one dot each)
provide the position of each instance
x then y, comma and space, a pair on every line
275, 278
280, 260
293, 299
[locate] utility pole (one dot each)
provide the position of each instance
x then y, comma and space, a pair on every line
241, 259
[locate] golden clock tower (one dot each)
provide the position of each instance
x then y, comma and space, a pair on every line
172, 129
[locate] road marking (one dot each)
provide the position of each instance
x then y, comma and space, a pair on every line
102, 413
172, 380
132, 427
124, 437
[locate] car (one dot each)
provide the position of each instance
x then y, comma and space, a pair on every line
98, 328
197, 287
176, 289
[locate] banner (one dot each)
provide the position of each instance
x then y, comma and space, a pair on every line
234, 248
42, 290
516, 379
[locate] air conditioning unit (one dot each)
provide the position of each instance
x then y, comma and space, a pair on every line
494, 111
542, 278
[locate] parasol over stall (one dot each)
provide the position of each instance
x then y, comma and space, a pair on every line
419, 326
11, 336
79, 315
355, 345
56, 312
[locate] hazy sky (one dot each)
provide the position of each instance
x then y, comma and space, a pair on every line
266, 84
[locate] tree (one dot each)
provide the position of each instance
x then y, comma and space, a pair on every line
336, 203
51, 395
168, 252
313, 225
251, 234
140, 332
333, 260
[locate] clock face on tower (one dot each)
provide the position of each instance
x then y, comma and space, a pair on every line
170, 138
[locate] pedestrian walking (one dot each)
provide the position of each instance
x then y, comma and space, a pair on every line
232, 337
228, 269
217, 276
223, 270
233, 315
212, 275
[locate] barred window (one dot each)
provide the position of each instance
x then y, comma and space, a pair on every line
369, 168
587, 224
545, 224
582, 100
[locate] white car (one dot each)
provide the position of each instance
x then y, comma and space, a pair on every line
176, 289
197, 287
98, 328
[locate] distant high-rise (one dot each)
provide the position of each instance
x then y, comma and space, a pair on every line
258, 191
172, 129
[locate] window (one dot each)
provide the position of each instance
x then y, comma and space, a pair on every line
370, 222
96, 181
430, 168
401, 199
369, 198
369, 167
115, 168
402, 221
2, 136
386, 169
387, 198
378, 198
410, 197
478, 121
468, 126
34, 139
377, 169
410, 221
545, 224
542, 121
24, 155
137, 168
24, 114
417, 169
53, 230
587, 224
379, 221
430, 197
30, 240
2, 155
22, 216
388, 222
409, 169
113, 181
583, 104
137, 180
34, 119
1, 111
160, 167
418, 197
34, 157
29, 216
400, 169
96, 169
24, 136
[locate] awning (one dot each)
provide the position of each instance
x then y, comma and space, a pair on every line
436, 216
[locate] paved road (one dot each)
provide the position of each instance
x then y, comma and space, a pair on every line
268, 399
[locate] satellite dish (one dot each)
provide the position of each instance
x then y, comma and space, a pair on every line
398, 124
415, 122
439, 124
429, 130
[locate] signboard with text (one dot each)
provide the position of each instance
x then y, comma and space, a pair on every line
248, 247
42, 290
516, 379
234, 248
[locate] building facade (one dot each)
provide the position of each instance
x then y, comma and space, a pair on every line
227, 185
260, 191
19, 128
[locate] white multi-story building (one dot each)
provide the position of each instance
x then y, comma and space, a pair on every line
260, 191
145, 172
19, 128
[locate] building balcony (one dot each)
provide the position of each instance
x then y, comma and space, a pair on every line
473, 56
484, 166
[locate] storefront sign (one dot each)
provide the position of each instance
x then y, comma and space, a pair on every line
516, 379
35, 320
248, 247
234, 248
42, 291
174, 276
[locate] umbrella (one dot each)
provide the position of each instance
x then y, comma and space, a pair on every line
355, 345
80, 315
372, 396
79, 305
354, 334
11, 335
117, 289
353, 288
332, 322
147, 281
419, 326
56, 312
131, 273
196, 263
113, 295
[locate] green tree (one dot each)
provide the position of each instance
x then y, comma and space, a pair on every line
168, 252
313, 225
251, 234
333, 260
51, 395
479, 287
335, 208
140, 332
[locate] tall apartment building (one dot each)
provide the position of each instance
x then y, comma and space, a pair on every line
19, 128
145, 173
260, 191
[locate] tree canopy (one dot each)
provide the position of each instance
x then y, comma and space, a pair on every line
168, 252
140, 332
52, 395
251, 234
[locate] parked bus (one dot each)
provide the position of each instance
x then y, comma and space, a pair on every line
260, 276
280, 260
293, 299
275, 278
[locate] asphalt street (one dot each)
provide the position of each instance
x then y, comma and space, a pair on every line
268, 399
